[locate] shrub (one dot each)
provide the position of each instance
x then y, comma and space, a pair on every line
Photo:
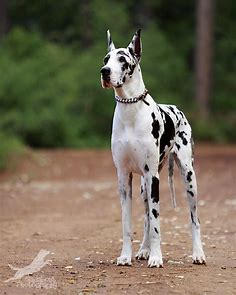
9, 147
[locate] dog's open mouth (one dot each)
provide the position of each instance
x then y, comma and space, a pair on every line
105, 82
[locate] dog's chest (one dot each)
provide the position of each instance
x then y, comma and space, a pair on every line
132, 140
129, 151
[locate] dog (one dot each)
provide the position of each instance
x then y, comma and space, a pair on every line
144, 135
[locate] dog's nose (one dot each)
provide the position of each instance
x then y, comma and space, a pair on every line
105, 71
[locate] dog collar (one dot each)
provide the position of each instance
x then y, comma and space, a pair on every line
134, 99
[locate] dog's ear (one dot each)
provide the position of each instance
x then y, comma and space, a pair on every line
110, 44
135, 46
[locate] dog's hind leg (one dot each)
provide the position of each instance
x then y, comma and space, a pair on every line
125, 191
185, 163
144, 251
170, 179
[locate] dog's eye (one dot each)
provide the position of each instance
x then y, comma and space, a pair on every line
105, 61
122, 59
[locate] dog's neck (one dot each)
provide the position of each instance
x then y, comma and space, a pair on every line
133, 87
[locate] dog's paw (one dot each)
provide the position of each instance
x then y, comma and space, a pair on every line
155, 261
143, 254
124, 260
199, 258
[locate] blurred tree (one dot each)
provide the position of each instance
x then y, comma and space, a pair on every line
143, 12
85, 22
47, 97
3, 18
203, 55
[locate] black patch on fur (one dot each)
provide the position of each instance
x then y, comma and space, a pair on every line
155, 189
155, 213
156, 230
125, 66
122, 53
124, 79
181, 114
141, 189
123, 193
168, 134
105, 61
173, 111
155, 128
146, 168
178, 146
146, 102
131, 51
131, 67
193, 219
181, 135
191, 193
189, 178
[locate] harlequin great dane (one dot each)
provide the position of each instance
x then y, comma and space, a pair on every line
144, 136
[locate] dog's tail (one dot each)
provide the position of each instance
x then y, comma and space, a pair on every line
170, 179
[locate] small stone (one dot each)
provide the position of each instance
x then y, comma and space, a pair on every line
101, 285
37, 233
90, 266
179, 277
136, 241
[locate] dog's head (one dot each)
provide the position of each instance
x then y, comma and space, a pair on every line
119, 64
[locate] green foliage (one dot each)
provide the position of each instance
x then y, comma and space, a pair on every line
50, 93
9, 147
51, 96
164, 69
218, 129
225, 56
32, 106
49, 99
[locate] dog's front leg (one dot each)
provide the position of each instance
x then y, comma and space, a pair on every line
152, 184
144, 251
125, 191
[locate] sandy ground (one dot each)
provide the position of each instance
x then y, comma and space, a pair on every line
66, 202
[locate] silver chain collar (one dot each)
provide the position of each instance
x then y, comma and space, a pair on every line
134, 99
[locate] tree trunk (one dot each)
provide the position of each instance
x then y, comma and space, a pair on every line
3, 18
203, 54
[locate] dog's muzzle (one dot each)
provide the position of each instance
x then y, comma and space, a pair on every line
106, 72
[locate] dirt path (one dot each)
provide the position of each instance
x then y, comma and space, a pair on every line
66, 202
